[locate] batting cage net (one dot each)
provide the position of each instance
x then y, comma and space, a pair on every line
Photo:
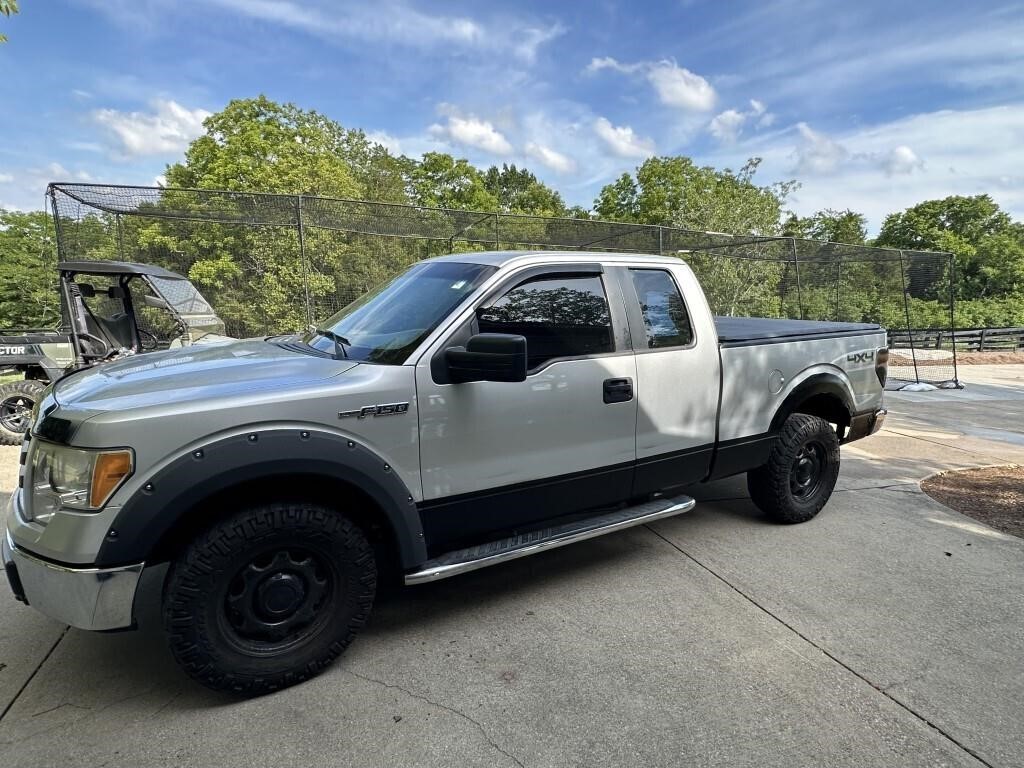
273, 264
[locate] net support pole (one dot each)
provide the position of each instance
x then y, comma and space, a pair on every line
796, 266
302, 258
906, 312
497, 234
839, 282
120, 237
952, 315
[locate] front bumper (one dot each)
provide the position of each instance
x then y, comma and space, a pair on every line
87, 598
864, 424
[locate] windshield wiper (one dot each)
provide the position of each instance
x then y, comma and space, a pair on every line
340, 342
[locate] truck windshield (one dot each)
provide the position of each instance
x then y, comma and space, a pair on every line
386, 324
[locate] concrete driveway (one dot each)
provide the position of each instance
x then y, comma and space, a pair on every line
889, 631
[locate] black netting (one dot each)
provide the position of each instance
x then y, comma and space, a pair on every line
274, 263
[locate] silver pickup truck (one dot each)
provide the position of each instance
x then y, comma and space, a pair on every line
477, 408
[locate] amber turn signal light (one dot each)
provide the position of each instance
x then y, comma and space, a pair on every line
110, 471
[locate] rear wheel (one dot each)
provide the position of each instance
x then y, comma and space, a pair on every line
801, 471
17, 398
269, 597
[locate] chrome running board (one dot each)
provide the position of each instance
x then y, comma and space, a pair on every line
503, 550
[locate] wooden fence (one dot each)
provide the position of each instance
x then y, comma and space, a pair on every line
968, 339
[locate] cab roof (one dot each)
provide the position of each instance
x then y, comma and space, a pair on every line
117, 268
501, 258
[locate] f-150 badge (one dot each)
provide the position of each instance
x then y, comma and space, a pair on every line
385, 409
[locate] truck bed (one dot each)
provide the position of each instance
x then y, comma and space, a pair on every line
751, 331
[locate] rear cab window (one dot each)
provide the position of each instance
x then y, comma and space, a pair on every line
666, 321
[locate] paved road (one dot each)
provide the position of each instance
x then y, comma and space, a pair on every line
889, 631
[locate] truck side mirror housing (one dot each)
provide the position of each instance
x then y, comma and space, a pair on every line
488, 357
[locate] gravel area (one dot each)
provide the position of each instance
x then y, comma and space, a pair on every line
993, 495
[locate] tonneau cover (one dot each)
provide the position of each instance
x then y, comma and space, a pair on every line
749, 330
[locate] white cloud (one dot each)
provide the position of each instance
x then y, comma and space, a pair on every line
6, 178
532, 38
167, 129
607, 62
470, 131
84, 146
817, 153
622, 140
391, 143
393, 21
679, 87
726, 126
870, 170
676, 86
78, 93
901, 160
548, 157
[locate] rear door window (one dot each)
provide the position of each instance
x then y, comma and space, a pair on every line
666, 321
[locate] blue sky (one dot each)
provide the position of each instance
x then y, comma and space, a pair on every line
870, 105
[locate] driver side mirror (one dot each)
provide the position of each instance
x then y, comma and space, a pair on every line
488, 357
155, 301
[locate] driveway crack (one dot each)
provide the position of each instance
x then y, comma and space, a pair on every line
446, 708
881, 689
35, 671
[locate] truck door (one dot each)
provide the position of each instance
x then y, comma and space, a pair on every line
677, 376
498, 456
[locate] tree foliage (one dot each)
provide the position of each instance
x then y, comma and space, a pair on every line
675, 192
28, 280
987, 244
830, 225
257, 280
7, 7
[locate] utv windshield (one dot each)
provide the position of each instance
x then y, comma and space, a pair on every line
388, 323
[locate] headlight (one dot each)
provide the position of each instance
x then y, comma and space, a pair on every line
74, 478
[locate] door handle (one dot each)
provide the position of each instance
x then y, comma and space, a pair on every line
618, 390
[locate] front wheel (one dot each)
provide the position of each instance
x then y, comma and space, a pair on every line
17, 398
800, 473
268, 597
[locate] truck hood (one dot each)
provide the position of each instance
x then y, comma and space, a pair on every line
192, 373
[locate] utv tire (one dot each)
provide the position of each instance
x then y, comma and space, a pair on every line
801, 471
268, 597
16, 401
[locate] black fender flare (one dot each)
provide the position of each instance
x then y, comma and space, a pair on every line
180, 486
814, 385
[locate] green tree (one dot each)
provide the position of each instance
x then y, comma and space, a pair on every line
28, 280
987, 244
7, 7
442, 181
831, 225
518, 190
673, 191
257, 145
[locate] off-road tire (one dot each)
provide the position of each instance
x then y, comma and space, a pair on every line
222, 571
26, 391
779, 489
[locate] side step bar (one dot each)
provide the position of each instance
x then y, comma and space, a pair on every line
503, 550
